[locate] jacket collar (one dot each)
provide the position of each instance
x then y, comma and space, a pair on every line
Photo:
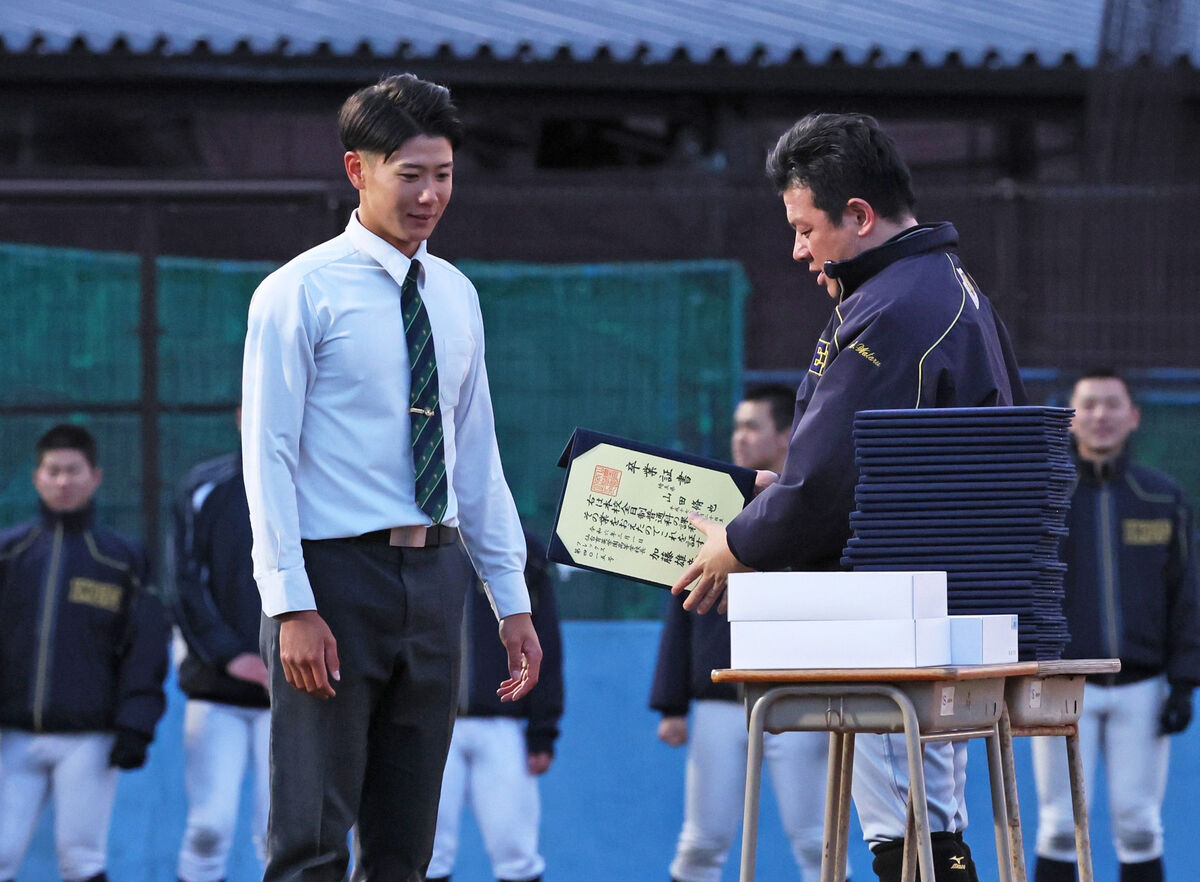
1099, 472
72, 521
853, 272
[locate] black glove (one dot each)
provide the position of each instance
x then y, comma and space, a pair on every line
129, 749
1176, 712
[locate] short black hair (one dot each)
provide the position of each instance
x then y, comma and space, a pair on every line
782, 400
67, 436
839, 157
381, 117
1100, 372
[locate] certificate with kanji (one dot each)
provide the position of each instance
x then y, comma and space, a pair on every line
624, 506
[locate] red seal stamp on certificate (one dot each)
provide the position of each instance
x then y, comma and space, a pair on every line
606, 480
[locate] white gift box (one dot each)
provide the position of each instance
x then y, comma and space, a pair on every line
862, 643
983, 640
836, 596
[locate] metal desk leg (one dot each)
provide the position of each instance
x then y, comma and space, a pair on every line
918, 807
833, 780
999, 806
754, 761
843, 838
917, 799
1083, 841
1012, 803
833, 850
908, 871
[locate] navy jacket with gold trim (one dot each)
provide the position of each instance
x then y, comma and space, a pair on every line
690, 646
485, 660
1131, 581
214, 599
83, 645
910, 329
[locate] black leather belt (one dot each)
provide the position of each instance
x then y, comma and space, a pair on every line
438, 534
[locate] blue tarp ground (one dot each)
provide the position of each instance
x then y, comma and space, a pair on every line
613, 800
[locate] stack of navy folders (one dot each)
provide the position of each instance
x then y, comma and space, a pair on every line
981, 493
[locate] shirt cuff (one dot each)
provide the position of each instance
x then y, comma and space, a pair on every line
285, 591
509, 594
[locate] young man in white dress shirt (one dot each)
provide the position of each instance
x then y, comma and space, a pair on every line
362, 585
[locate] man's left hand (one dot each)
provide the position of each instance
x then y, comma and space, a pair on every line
1176, 712
524, 656
711, 567
539, 763
129, 749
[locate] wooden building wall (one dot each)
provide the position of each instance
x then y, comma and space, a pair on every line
1075, 190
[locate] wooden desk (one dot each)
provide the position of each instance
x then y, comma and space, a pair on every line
995, 702
926, 704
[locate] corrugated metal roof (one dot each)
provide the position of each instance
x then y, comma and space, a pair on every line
991, 32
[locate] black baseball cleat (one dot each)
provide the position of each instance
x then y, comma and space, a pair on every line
951, 859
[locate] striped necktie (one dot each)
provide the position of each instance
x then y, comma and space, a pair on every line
429, 454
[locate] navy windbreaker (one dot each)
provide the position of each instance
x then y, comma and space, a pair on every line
911, 329
1131, 581
83, 643
215, 600
485, 660
690, 647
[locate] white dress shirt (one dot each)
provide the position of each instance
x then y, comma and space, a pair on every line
325, 423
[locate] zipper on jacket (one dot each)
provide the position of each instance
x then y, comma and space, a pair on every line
49, 608
1108, 571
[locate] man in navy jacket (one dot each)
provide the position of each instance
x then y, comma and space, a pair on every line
909, 329
227, 723
1131, 593
83, 655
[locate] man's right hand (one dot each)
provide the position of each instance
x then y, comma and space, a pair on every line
673, 731
248, 666
308, 652
763, 479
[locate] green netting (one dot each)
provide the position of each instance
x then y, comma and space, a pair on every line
1166, 439
648, 351
70, 329
652, 351
604, 346
202, 312
184, 440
